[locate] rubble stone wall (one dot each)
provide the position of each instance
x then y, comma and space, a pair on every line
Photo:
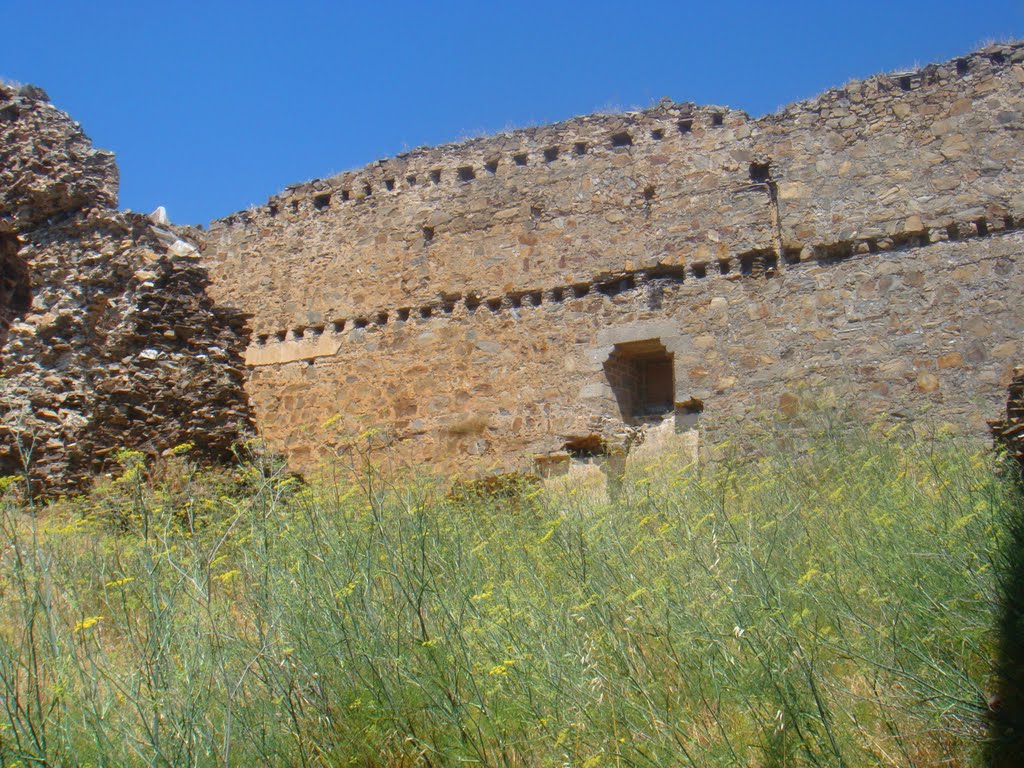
467, 298
108, 337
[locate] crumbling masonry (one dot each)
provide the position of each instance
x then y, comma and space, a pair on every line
109, 339
555, 292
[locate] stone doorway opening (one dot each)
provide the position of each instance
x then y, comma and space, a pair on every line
642, 378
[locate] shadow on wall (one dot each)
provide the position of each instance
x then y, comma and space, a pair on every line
15, 285
1006, 706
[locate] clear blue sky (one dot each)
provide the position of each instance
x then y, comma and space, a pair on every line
213, 106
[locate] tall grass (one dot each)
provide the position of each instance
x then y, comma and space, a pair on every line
831, 604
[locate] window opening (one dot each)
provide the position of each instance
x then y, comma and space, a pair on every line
642, 378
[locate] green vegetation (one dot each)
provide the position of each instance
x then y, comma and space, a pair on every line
831, 604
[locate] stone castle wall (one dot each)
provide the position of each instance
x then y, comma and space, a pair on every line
473, 299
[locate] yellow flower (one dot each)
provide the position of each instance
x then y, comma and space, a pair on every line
119, 582
88, 622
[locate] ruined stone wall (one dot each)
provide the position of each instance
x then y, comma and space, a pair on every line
48, 166
468, 298
931, 330
108, 338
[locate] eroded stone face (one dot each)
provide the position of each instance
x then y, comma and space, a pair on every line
108, 338
47, 164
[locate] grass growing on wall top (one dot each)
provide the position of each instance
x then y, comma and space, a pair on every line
829, 606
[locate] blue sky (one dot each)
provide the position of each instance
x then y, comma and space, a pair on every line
214, 106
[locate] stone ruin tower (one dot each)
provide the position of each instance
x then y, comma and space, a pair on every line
108, 339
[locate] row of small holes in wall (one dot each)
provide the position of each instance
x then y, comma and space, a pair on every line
760, 173
467, 173
759, 263
912, 80
755, 264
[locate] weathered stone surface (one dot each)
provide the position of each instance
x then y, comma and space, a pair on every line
866, 240
47, 165
108, 338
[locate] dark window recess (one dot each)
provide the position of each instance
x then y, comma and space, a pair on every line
906, 83
622, 140
410, 180
389, 184
494, 305
428, 234
435, 177
717, 119
550, 154
760, 172
261, 340
557, 295
515, 301
658, 134
580, 290
403, 314
338, 326
361, 322
642, 378
322, 201
426, 312
318, 330
295, 206
491, 166
281, 335
792, 255
535, 298
466, 173
346, 195
649, 192
448, 306
381, 319
272, 209
724, 267
962, 67
998, 59
367, 190
520, 159
536, 212
982, 226
473, 303
580, 147
699, 270
685, 126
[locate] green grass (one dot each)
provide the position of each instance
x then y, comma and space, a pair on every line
830, 604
